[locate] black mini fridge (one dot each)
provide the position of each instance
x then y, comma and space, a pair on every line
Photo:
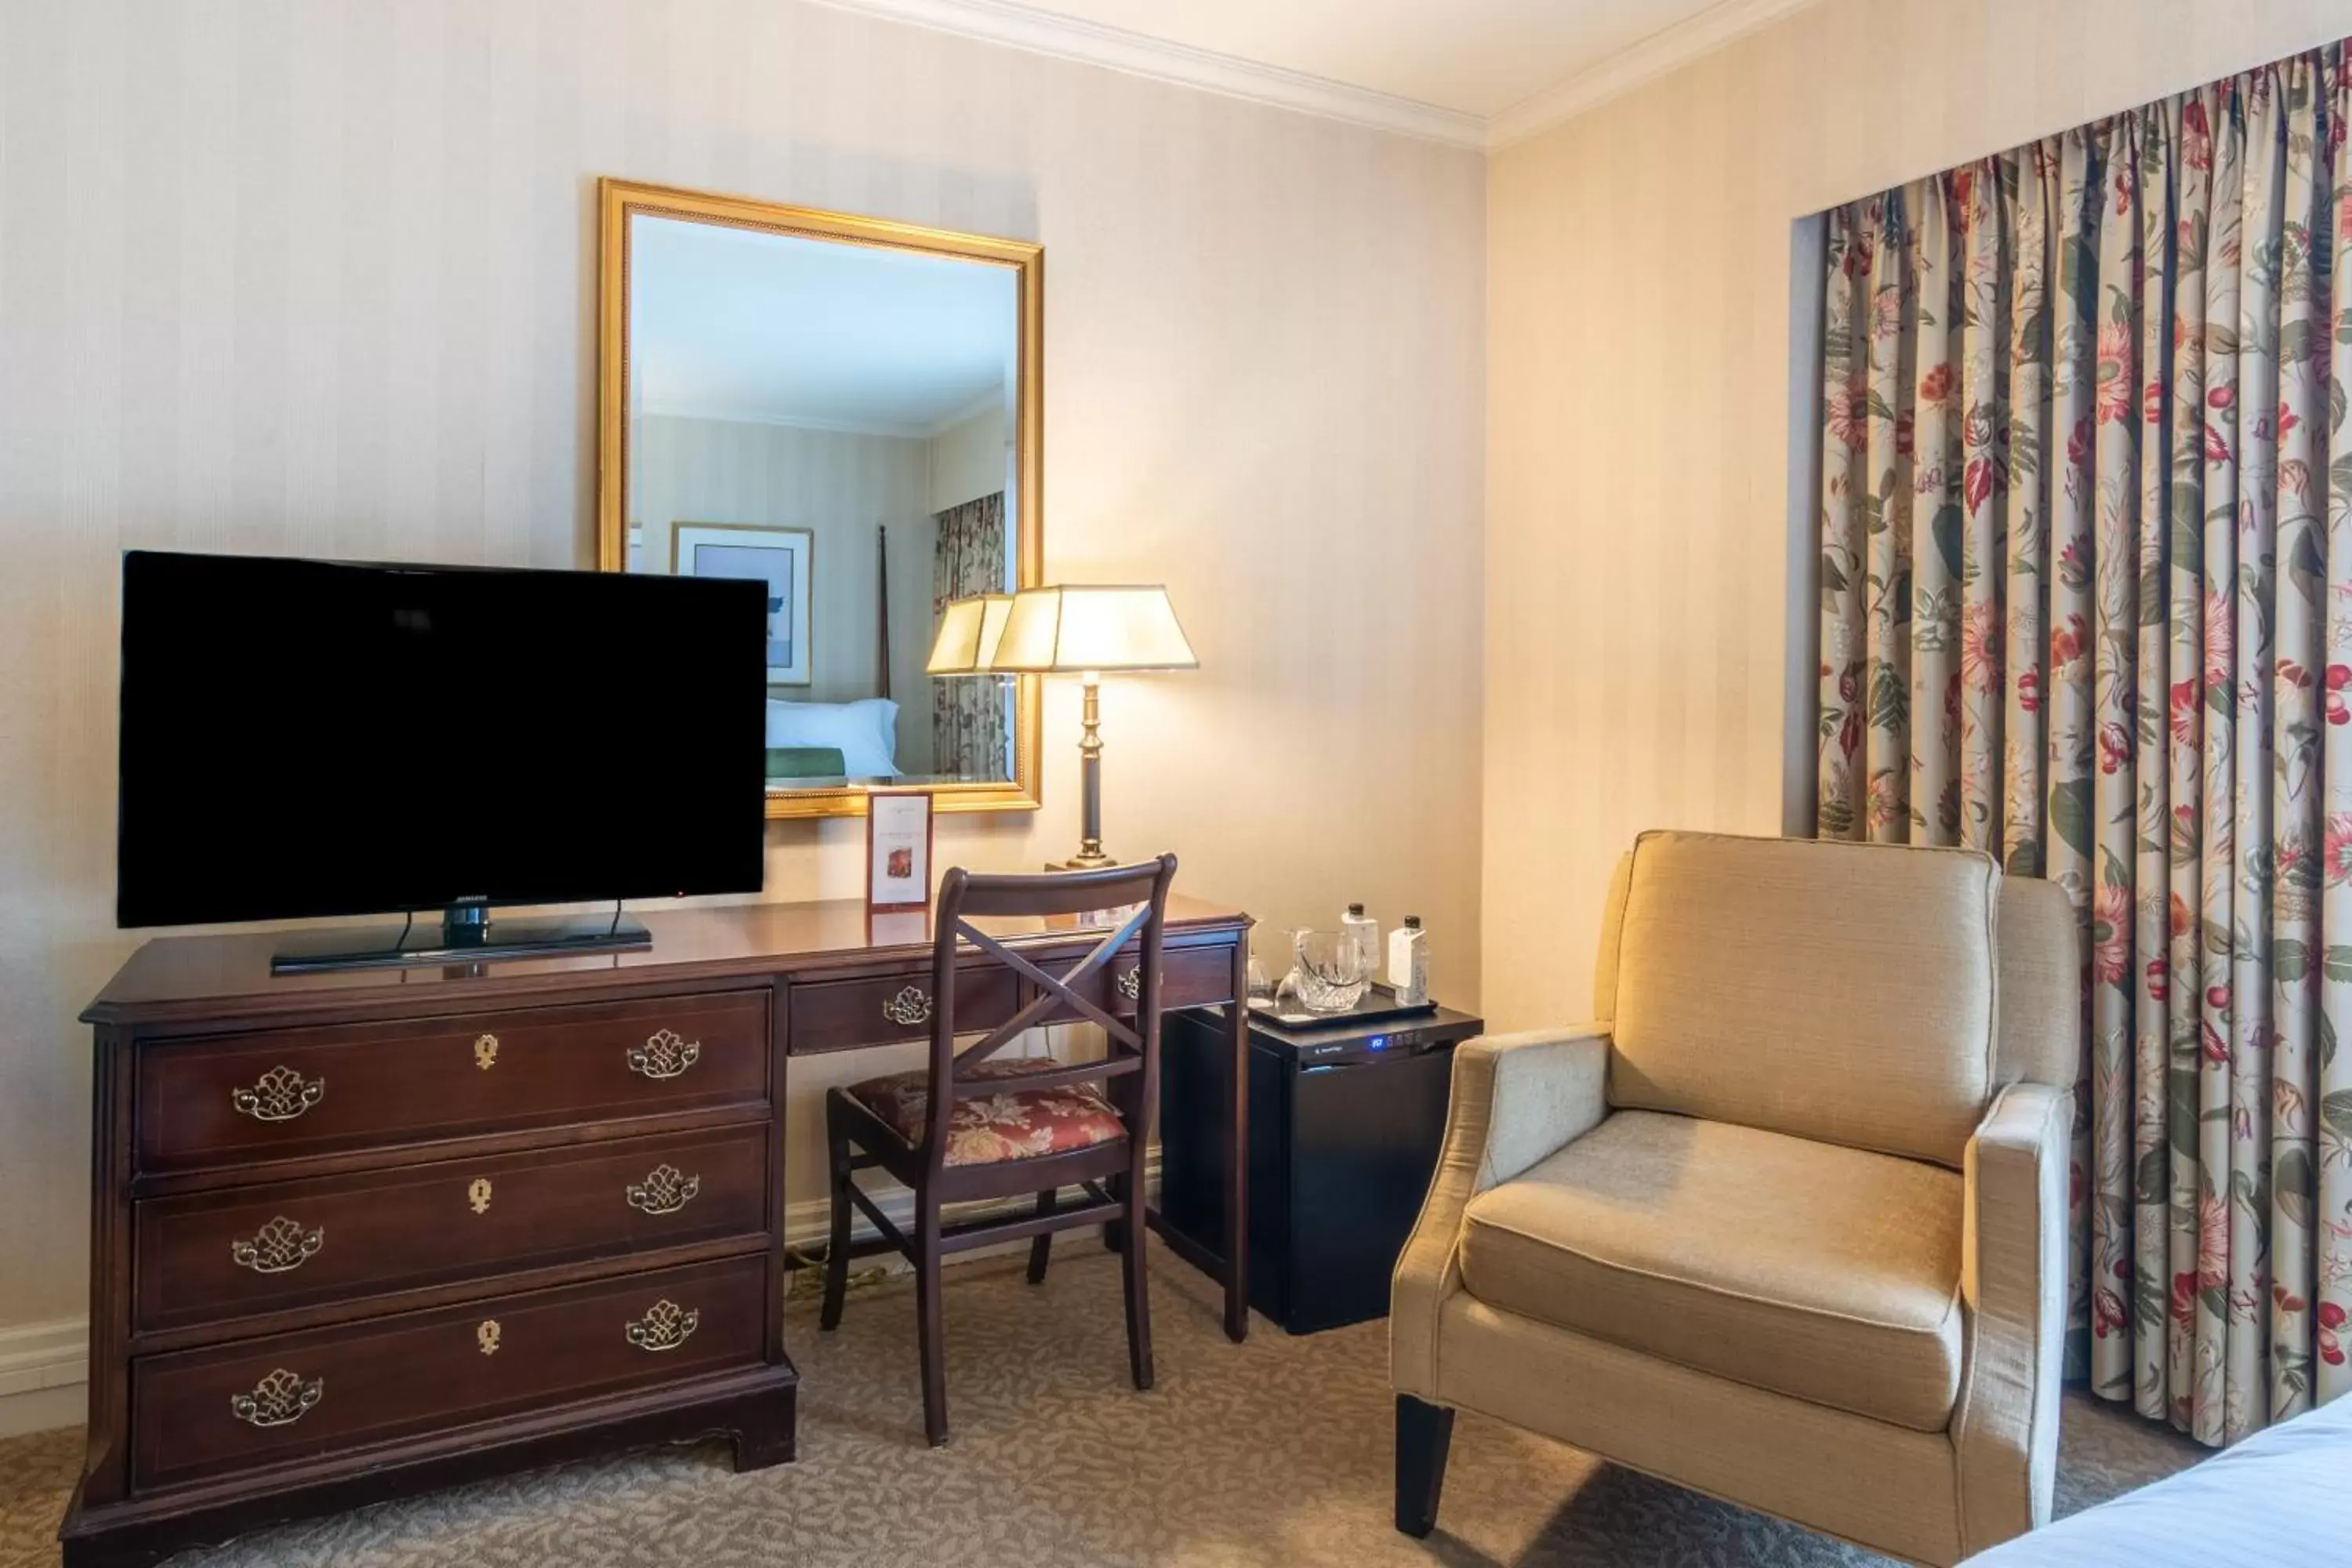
1345, 1123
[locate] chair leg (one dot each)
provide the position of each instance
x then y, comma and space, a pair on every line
927, 1319
1114, 1231
1422, 1434
836, 1254
1041, 1249
1131, 1258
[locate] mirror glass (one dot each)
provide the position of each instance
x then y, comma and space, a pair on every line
840, 420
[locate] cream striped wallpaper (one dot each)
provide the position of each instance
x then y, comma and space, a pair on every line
1638, 403
317, 276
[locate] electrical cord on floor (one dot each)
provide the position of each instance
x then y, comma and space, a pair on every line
808, 1275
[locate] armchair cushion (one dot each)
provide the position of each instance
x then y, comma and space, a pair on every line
1828, 1274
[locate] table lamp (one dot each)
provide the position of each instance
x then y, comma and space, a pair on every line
969, 630
1090, 630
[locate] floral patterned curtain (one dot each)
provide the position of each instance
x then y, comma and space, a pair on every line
969, 717
2086, 604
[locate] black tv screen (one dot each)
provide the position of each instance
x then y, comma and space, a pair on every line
308, 738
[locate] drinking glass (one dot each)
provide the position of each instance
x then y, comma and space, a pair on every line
1331, 973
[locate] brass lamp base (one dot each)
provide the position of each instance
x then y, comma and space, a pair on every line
1090, 855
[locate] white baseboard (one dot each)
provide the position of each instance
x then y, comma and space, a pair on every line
44, 1367
44, 1376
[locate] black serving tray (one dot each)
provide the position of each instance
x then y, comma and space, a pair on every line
1377, 1005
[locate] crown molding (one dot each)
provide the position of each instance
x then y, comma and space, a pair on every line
703, 414
1663, 51
1068, 38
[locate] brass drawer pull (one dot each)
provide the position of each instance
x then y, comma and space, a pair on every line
665, 1328
665, 1055
912, 1006
486, 1052
279, 1400
664, 1190
281, 1095
279, 1246
486, 1336
1130, 981
478, 1194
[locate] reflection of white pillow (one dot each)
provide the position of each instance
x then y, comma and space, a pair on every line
866, 731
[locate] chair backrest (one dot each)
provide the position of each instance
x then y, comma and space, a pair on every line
1839, 992
1136, 897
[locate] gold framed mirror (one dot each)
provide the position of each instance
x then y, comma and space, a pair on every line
850, 409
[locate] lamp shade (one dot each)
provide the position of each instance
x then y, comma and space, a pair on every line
1090, 626
969, 629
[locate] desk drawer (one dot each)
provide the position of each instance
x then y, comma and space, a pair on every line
210, 1256
279, 1093
330, 1391
836, 1015
1189, 977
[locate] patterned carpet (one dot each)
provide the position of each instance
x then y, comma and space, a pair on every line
1271, 1452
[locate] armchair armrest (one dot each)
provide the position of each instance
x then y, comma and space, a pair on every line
1516, 1098
2013, 1287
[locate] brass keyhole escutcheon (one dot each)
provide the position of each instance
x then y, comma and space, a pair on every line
479, 1195
486, 1052
486, 1336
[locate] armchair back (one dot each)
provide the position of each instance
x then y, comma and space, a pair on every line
2040, 942
1838, 991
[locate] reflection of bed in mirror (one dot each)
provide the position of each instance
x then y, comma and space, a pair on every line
834, 740
841, 416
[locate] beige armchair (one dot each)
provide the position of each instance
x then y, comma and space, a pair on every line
1788, 1226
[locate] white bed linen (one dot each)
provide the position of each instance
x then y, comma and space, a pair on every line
2282, 1499
865, 732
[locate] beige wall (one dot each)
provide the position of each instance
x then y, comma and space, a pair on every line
1638, 404
969, 458
318, 278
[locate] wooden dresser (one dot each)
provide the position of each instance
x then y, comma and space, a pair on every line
356, 1234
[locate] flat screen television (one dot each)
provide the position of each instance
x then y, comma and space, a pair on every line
308, 738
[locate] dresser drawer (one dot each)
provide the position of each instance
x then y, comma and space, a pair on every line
835, 1015
279, 1093
1189, 977
210, 1256
330, 1391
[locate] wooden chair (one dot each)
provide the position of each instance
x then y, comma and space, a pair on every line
1022, 1125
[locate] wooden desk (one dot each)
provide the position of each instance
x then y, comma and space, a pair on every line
358, 1234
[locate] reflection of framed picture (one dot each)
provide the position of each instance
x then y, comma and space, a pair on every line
898, 849
782, 558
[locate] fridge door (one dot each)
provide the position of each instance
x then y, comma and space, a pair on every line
1363, 1142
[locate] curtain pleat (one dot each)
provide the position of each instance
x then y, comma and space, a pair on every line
2086, 605
970, 729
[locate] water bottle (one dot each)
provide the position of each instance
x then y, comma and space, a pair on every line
1363, 935
1409, 963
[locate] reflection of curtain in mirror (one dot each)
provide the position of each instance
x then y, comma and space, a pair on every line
968, 726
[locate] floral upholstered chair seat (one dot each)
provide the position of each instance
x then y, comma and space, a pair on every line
987, 1129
